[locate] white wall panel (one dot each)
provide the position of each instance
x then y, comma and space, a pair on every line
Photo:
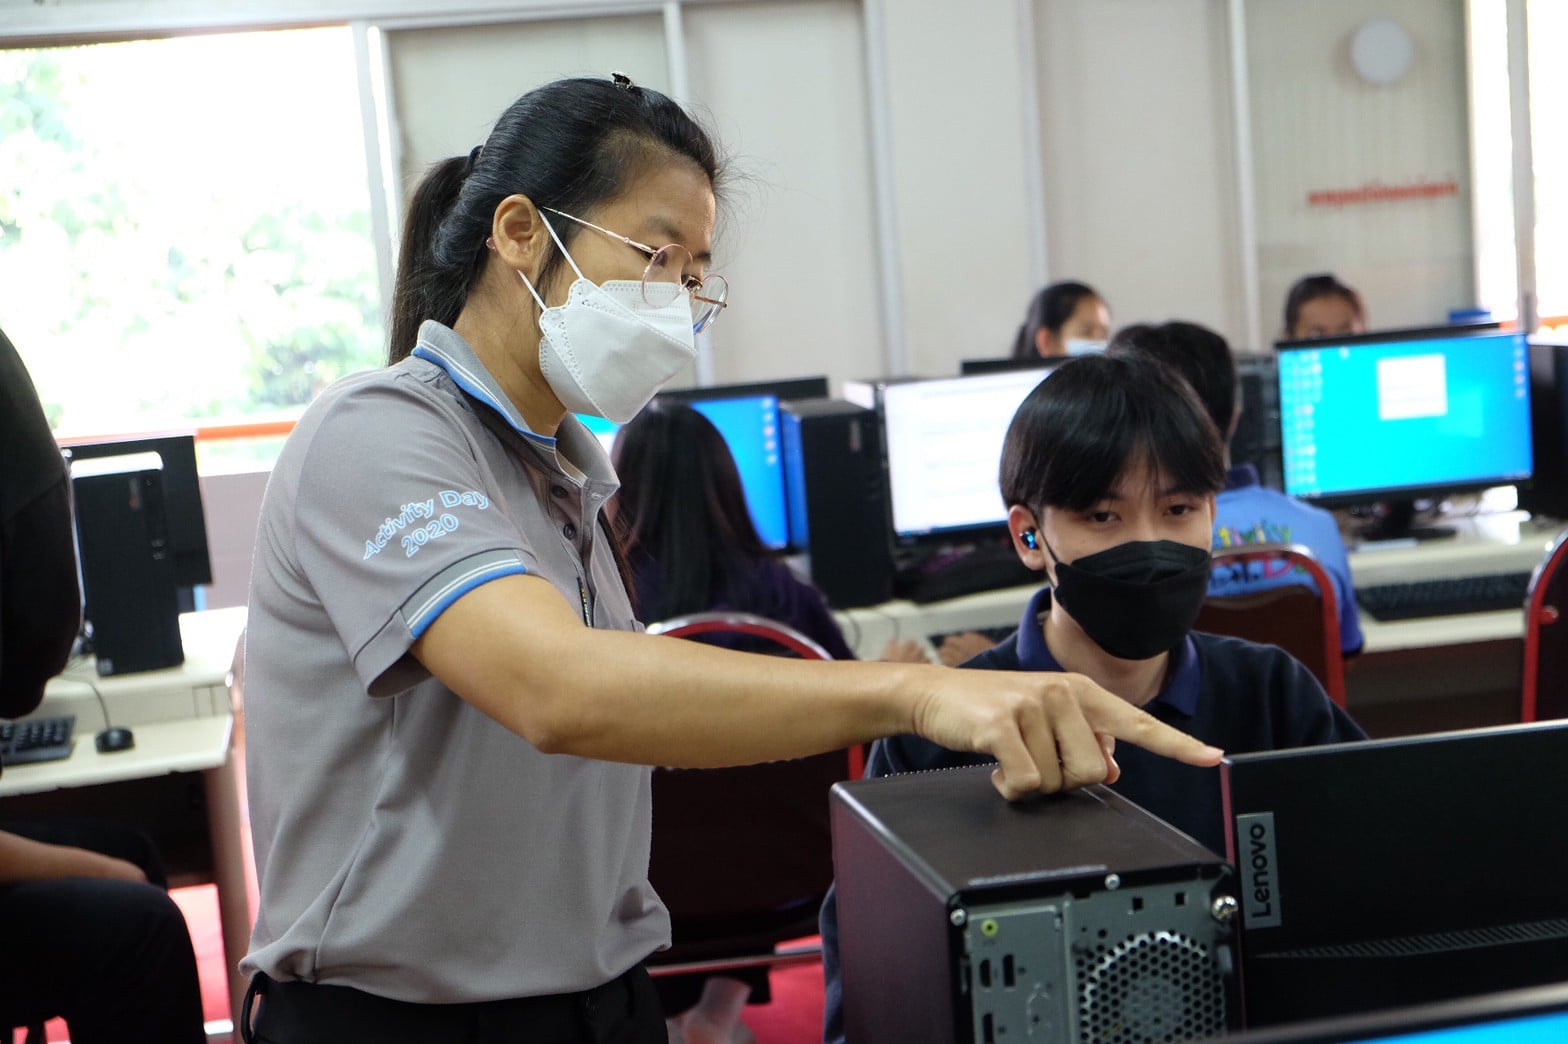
781, 84
1139, 163
1318, 126
449, 85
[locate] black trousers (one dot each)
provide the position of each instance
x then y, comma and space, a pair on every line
113, 958
623, 1011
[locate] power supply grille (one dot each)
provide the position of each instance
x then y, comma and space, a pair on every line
1150, 988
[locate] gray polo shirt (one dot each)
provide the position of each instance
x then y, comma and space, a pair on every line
407, 844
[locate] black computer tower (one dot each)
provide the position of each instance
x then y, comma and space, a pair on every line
1257, 439
838, 499
1546, 494
128, 583
1076, 917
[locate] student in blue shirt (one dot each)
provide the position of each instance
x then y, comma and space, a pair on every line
1246, 512
1109, 471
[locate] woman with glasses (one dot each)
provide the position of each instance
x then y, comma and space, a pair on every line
449, 705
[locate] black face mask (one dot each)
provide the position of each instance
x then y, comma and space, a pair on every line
1135, 600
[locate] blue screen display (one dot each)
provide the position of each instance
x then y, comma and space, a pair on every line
1518, 1029
750, 426
1374, 418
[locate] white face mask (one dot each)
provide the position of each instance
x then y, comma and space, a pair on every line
606, 351
1082, 346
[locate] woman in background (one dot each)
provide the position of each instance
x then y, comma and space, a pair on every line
692, 547
1321, 306
1064, 318
689, 537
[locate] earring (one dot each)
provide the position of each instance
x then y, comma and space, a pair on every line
1030, 540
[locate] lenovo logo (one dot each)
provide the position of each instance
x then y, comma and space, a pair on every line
1258, 869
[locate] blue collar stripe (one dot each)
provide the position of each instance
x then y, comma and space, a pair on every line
474, 385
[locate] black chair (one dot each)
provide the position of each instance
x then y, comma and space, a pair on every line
743, 856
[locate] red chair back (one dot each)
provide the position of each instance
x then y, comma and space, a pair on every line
1303, 622
1546, 637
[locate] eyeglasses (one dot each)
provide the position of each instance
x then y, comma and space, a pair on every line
663, 279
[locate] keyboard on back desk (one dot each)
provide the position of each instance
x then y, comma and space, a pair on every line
40, 739
1449, 596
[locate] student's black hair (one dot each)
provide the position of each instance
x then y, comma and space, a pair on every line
1097, 416
571, 145
1312, 287
1201, 356
1049, 310
681, 509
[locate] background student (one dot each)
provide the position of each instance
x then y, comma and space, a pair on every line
689, 537
692, 547
449, 712
91, 935
1246, 512
1321, 306
1066, 318
1109, 471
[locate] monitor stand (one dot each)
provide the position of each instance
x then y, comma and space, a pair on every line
1391, 521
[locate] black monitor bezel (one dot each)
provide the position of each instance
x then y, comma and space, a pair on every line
190, 544
789, 389
1382, 494
977, 367
786, 389
1483, 1009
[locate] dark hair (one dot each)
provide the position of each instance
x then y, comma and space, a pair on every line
1095, 417
1312, 287
681, 509
1198, 354
1049, 310
571, 145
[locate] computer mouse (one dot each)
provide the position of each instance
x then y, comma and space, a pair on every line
114, 738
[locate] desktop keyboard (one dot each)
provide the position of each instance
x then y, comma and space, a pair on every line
992, 634
968, 573
1449, 596
39, 739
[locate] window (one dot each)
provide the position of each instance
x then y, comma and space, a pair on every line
185, 228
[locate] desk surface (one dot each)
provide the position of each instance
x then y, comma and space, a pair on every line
181, 716
1490, 543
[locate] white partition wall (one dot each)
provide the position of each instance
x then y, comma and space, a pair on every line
1363, 171
1138, 157
781, 85
450, 84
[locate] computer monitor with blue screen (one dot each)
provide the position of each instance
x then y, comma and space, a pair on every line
747, 415
943, 446
1399, 415
1531, 1016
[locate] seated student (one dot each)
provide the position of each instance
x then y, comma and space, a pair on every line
691, 545
90, 933
1109, 471
1246, 512
1065, 318
690, 541
1321, 306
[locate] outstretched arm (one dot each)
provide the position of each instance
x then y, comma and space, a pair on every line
518, 652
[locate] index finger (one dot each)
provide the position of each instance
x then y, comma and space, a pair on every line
1113, 715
